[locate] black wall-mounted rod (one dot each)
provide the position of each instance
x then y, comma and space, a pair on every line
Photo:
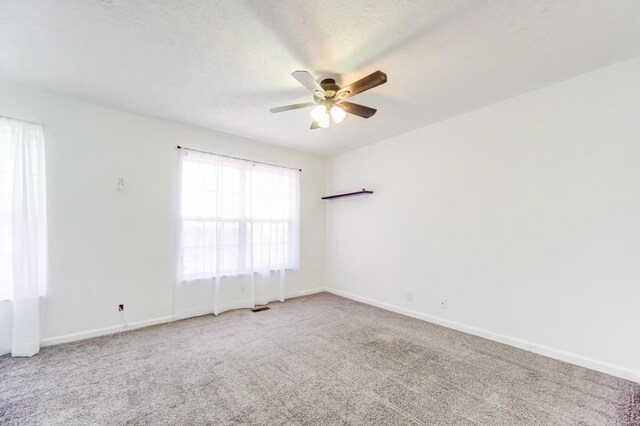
237, 158
348, 194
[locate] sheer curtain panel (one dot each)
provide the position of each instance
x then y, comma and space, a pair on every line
239, 228
23, 231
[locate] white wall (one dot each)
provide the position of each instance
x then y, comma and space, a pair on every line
524, 215
107, 247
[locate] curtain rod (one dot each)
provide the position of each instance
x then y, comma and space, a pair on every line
19, 119
237, 158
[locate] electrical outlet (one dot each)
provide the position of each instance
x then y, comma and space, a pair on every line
120, 308
443, 303
120, 184
409, 296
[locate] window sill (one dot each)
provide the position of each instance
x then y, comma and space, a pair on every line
237, 274
9, 300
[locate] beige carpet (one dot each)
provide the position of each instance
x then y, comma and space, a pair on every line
316, 360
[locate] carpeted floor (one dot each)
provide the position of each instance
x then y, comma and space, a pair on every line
315, 360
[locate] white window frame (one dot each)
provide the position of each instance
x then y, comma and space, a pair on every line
245, 245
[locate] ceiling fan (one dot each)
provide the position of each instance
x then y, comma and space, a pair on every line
329, 98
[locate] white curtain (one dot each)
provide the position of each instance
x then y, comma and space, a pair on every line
239, 228
23, 231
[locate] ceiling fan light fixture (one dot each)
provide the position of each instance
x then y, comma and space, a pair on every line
329, 98
338, 114
318, 113
324, 121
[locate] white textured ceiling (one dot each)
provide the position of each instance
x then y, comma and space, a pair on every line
223, 64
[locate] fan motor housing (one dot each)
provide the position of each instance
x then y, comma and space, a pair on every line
329, 85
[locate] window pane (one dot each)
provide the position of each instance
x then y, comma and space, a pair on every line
230, 180
6, 217
191, 202
236, 215
230, 206
22, 160
230, 258
210, 234
193, 234
193, 261
209, 254
230, 233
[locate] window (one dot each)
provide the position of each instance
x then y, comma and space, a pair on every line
238, 216
22, 210
6, 215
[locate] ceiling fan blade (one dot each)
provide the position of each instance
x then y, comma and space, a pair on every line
314, 125
356, 109
369, 82
308, 81
290, 107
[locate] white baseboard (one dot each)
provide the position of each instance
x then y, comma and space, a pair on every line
579, 360
195, 311
182, 314
308, 292
66, 338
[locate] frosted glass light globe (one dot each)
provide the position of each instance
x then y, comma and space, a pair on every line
317, 113
324, 121
338, 114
